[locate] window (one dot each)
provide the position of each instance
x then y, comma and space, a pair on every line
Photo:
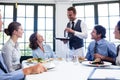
25, 15
108, 18
33, 17
6, 18
45, 23
86, 13
106, 14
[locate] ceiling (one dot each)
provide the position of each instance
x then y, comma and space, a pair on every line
51, 1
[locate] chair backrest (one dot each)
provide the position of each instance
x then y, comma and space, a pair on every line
2, 61
1, 58
25, 58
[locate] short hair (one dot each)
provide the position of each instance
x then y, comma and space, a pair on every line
72, 9
100, 30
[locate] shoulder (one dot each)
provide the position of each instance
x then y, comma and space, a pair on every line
36, 49
91, 43
109, 44
7, 45
46, 45
79, 20
82, 23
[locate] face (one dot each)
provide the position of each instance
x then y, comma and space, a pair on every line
39, 38
94, 35
19, 32
71, 15
116, 33
1, 23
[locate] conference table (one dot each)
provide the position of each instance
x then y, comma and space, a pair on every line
68, 70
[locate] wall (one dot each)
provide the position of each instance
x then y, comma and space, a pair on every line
61, 17
61, 21
52, 1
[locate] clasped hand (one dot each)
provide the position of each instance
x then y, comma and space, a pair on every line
69, 30
97, 55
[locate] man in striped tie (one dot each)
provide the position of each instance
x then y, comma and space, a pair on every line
101, 48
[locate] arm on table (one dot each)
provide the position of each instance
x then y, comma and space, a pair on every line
20, 74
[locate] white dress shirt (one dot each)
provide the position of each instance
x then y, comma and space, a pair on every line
83, 35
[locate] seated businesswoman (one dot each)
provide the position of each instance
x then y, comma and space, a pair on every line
117, 36
39, 49
18, 74
11, 52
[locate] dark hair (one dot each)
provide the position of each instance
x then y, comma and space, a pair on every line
118, 25
33, 41
11, 27
100, 30
72, 9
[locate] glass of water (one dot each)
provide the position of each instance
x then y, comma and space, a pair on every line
75, 58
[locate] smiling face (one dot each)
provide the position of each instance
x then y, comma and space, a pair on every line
71, 15
1, 23
19, 32
94, 35
39, 38
117, 33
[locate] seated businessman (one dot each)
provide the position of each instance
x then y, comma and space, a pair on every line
99, 47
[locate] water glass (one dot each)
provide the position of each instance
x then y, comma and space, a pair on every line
46, 55
75, 58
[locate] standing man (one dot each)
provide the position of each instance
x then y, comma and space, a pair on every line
101, 48
77, 31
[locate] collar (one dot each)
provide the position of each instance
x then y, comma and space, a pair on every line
75, 21
12, 43
101, 41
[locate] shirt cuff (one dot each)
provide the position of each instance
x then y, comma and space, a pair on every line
18, 74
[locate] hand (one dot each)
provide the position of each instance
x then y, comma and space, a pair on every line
39, 68
64, 41
97, 55
69, 30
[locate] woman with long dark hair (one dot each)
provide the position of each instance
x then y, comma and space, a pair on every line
39, 49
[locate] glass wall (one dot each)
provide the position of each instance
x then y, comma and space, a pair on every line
33, 17
104, 13
45, 23
7, 17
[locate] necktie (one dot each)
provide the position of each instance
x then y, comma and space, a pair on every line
95, 48
72, 25
2, 67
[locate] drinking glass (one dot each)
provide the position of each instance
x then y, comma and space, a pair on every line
46, 54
